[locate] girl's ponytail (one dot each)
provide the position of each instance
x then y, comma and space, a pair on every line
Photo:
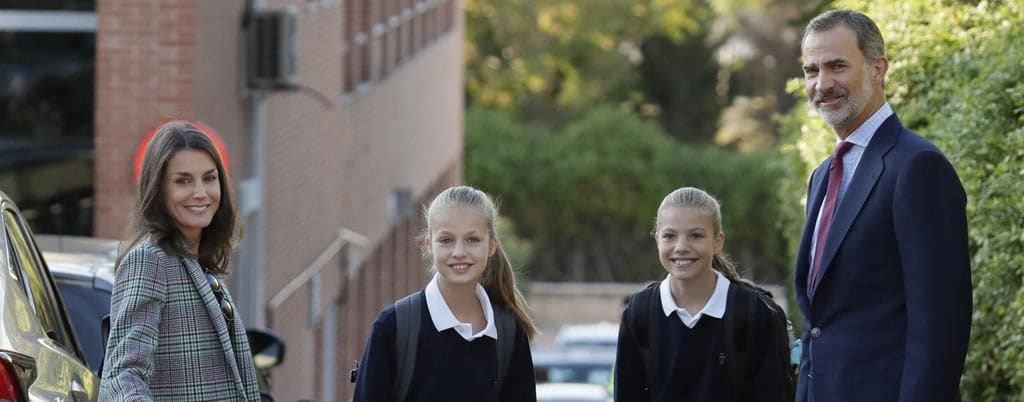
500, 282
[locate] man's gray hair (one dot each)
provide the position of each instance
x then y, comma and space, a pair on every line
869, 38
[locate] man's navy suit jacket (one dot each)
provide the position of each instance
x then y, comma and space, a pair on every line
890, 317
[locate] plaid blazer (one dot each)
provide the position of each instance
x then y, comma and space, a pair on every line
168, 336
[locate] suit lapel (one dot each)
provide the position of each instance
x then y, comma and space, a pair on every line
216, 316
868, 171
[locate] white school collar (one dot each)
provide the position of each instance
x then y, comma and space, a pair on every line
443, 318
715, 306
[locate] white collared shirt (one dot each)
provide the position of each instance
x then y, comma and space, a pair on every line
443, 318
860, 138
715, 307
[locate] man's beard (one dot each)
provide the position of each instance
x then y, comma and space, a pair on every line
853, 106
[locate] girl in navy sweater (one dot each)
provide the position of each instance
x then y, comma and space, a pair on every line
458, 338
678, 351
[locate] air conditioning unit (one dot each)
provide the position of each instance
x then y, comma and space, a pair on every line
272, 50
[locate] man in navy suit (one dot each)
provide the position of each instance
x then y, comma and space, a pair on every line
883, 274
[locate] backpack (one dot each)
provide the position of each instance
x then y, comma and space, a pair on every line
741, 309
409, 311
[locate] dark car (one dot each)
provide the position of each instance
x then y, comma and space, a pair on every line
40, 357
592, 366
571, 392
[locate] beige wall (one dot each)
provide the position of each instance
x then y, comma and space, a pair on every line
557, 303
219, 83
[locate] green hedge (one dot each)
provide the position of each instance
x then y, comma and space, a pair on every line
585, 195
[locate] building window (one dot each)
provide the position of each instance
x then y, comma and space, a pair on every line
47, 68
66, 5
378, 36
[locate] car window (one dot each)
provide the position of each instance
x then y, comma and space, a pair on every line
86, 306
5, 242
575, 373
36, 282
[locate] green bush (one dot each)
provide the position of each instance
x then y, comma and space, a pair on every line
586, 196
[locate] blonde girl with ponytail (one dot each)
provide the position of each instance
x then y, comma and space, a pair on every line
472, 288
702, 333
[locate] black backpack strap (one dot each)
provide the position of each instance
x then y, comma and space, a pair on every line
780, 337
505, 323
641, 305
739, 338
741, 310
408, 311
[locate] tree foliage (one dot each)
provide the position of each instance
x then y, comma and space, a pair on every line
956, 78
586, 195
551, 60
561, 96
705, 70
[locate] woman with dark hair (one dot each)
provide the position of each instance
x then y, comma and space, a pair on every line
173, 333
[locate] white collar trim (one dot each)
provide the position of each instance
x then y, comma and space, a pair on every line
443, 317
715, 307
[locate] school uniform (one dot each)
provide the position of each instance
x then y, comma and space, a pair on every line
686, 358
453, 364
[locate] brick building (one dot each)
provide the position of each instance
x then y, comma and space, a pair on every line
359, 122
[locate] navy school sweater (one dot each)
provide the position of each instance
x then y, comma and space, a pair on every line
448, 368
688, 364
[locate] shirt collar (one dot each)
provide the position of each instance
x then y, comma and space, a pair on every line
863, 134
443, 317
715, 306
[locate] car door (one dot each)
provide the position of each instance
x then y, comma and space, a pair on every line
61, 371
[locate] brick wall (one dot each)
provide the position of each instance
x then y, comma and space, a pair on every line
144, 74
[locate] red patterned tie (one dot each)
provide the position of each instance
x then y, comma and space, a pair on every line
835, 179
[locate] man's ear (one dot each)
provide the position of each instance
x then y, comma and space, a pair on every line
879, 68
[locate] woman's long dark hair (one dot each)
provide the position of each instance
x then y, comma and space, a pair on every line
150, 218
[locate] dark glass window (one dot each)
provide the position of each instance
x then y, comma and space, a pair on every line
46, 79
46, 127
86, 306
63, 5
